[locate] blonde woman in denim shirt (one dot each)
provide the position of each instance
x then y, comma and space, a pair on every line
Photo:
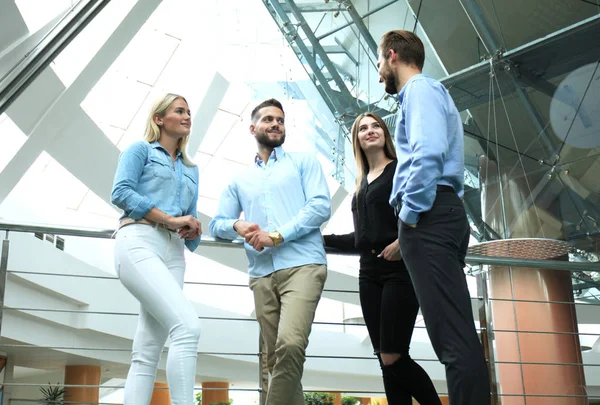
156, 186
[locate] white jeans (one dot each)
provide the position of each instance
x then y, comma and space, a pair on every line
151, 265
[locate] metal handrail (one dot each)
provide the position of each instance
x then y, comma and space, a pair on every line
237, 243
477, 260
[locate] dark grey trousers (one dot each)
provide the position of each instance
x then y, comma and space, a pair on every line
434, 253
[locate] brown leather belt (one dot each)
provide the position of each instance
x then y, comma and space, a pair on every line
130, 221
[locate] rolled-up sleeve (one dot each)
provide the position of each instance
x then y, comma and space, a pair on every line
193, 210
124, 195
221, 226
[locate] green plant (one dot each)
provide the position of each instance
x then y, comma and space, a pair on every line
53, 394
318, 398
350, 401
199, 400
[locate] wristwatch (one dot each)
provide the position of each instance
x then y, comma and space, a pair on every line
276, 238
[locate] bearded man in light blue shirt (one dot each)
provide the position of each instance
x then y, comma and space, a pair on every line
433, 230
285, 200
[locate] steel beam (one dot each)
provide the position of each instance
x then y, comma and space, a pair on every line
346, 51
346, 96
553, 55
314, 7
336, 49
341, 27
481, 26
566, 95
340, 102
21, 76
535, 116
331, 49
362, 28
322, 82
495, 49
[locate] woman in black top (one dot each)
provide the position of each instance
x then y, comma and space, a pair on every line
387, 297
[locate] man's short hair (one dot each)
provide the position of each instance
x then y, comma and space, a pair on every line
267, 103
407, 45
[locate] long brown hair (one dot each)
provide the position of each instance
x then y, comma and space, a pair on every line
362, 165
152, 132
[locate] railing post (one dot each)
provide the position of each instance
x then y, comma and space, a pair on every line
487, 331
3, 273
263, 372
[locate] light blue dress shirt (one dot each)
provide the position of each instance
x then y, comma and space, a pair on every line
288, 194
430, 147
146, 178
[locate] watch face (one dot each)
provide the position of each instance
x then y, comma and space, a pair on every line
275, 237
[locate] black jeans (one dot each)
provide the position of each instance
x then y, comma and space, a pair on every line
390, 308
434, 253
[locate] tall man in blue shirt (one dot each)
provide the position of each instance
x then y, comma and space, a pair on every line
285, 200
432, 225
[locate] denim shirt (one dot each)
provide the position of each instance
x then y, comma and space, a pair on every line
146, 178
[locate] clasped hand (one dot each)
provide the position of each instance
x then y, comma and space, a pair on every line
253, 235
188, 227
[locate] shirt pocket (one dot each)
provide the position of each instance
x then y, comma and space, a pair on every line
160, 168
189, 187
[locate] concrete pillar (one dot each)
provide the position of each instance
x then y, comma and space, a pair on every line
214, 392
515, 211
82, 375
160, 395
556, 379
551, 313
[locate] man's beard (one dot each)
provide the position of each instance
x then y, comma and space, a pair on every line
263, 139
390, 83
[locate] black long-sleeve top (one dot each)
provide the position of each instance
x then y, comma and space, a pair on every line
375, 224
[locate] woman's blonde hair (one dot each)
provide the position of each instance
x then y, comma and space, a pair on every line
152, 132
362, 165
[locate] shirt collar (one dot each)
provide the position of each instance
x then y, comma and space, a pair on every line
277, 154
403, 90
157, 145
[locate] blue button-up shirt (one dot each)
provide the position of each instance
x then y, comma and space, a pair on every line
147, 178
430, 147
288, 194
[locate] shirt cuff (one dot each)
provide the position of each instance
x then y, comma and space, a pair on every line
408, 216
142, 209
288, 232
192, 245
227, 231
